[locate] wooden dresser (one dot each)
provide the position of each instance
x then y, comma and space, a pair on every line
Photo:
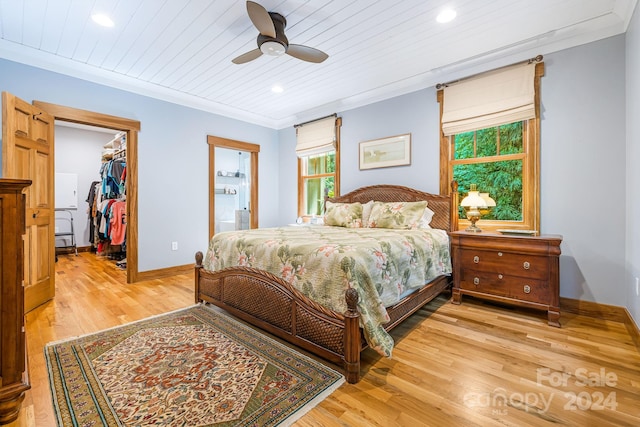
520, 270
14, 380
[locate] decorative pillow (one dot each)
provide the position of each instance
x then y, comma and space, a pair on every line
366, 212
343, 214
396, 214
427, 216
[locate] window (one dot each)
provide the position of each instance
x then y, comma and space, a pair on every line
318, 176
318, 165
502, 160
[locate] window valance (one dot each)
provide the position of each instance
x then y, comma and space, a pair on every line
491, 99
316, 137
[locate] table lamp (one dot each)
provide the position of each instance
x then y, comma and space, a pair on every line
475, 205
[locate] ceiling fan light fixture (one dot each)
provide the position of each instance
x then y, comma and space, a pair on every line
273, 48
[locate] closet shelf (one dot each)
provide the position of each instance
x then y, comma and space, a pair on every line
221, 191
118, 141
227, 174
120, 154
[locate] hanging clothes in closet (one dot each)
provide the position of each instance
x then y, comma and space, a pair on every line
107, 212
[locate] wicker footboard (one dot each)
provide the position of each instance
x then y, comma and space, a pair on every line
270, 303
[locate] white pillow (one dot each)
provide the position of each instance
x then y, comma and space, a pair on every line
427, 216
366, 212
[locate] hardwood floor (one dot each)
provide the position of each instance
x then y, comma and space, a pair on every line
467, 365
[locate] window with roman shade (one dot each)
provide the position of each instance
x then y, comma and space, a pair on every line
316, 137
318, 151
490, 136
491, 99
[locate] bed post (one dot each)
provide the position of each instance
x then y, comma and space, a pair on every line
454, 206
199, 258
352, 340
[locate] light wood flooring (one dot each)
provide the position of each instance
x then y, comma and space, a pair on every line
474, 364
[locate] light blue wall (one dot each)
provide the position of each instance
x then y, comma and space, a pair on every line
416, 113
632, 199
172, 154
582, 157
583, 172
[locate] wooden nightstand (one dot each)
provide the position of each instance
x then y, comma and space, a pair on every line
520, 270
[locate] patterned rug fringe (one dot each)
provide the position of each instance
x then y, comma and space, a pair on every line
311, 404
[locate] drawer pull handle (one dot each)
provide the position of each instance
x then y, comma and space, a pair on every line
526, 265
499, 276
476, 259
476, 281
499, 253
527, 289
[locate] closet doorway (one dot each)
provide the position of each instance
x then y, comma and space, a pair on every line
130, 128
233, 185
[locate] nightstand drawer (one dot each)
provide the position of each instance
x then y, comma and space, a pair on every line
523, 289
530, 290
479, 281
505, 263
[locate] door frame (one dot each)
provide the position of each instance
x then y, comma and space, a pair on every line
131, 127
218, 142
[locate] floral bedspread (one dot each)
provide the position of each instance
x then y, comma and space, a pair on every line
383, 265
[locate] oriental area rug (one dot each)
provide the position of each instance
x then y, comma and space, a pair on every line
192, 367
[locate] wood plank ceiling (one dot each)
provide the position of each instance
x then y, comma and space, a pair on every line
181, 51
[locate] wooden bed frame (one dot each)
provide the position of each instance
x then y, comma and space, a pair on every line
270, 303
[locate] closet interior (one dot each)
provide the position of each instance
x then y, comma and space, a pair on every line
107, 203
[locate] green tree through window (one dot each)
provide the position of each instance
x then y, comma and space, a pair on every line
319, 181
492, 159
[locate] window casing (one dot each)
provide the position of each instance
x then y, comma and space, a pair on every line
318, 178
503, 161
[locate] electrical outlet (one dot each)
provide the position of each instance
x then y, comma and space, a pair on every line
174, 246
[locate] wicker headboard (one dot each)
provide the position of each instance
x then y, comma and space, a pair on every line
439, 204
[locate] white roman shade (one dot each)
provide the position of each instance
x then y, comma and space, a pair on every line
491, 99
316, 137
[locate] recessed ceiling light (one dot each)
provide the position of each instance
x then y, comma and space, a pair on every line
446, 15
102, 19
277, 89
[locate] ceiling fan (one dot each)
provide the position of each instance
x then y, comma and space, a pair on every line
272, 41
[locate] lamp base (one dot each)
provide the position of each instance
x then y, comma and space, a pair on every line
473, 215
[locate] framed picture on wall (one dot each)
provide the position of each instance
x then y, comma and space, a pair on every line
386, 152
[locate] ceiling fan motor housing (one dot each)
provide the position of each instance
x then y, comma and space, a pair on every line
279, 23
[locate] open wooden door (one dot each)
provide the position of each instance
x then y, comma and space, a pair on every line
27, 153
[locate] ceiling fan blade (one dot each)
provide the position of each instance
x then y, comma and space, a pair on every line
306, 53
261, 19
246, 57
